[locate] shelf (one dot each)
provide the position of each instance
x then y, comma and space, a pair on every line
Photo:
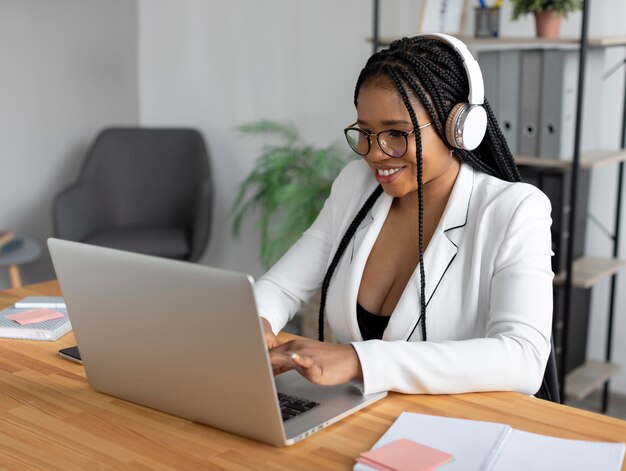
589, 270
588, 377
542, 43
588, 160
501, 44
519, 43
608, 41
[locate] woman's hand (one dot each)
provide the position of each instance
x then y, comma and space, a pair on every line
271, 340
319, 362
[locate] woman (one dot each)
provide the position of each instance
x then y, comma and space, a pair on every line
475, 315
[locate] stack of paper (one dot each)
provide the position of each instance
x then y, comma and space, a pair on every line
484, 446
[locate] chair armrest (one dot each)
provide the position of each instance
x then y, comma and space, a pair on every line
76, 213
201, 224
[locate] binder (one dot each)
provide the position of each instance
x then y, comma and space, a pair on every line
530, 102
559, 84
508, 100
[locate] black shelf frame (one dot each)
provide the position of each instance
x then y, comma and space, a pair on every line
616, 247
569, 260
615, 237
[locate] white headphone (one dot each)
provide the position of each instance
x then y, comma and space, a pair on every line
467, 122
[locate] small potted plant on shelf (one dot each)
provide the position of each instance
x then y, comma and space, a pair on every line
548, 14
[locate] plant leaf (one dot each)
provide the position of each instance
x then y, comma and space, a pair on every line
287, 186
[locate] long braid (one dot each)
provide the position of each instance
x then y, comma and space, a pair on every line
345, 240
420, 197
500, 148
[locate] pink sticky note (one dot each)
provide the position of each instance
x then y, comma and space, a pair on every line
33, 316
405, 455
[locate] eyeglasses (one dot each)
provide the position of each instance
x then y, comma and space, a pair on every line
392, 142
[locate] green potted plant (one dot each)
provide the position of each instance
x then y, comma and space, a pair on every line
288, 184
548, 14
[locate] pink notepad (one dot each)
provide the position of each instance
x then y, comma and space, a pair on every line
33, 316
405, 455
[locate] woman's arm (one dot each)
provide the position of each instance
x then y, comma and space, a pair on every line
299, 273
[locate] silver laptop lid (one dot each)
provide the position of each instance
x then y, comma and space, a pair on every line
146, 328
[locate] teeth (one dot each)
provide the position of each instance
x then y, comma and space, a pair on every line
386, 172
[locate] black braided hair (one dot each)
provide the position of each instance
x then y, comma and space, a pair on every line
420, 196
432, 71
340, 250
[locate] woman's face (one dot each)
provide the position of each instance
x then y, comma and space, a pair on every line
380, 108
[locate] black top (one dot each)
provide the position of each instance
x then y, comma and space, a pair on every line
370, 325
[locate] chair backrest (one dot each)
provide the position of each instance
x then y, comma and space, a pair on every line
146, 176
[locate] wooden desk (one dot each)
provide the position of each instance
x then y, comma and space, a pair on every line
51, 419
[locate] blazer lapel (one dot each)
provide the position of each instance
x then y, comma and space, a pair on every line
438, 257
449, 232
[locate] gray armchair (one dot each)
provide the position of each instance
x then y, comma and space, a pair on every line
141, 190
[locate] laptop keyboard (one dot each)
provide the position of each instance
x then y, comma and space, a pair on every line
291, 406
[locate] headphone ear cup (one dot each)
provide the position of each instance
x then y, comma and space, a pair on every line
452, 124
466, 126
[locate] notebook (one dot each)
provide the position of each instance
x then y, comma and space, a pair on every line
47, 330
186, 339
489, 446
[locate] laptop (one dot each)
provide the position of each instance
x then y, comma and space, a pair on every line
186, 339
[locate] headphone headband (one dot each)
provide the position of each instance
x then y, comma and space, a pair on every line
474, 75
467, 122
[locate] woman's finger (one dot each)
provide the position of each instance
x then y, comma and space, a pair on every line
282, 369
281, 358
307, 367
303, 361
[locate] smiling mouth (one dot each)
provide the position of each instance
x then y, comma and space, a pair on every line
385, 172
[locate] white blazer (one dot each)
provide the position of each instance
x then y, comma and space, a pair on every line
488, 287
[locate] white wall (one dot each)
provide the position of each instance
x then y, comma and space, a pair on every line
68, 68
215, 65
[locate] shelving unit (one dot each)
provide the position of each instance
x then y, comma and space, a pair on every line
580, 273
585, 271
